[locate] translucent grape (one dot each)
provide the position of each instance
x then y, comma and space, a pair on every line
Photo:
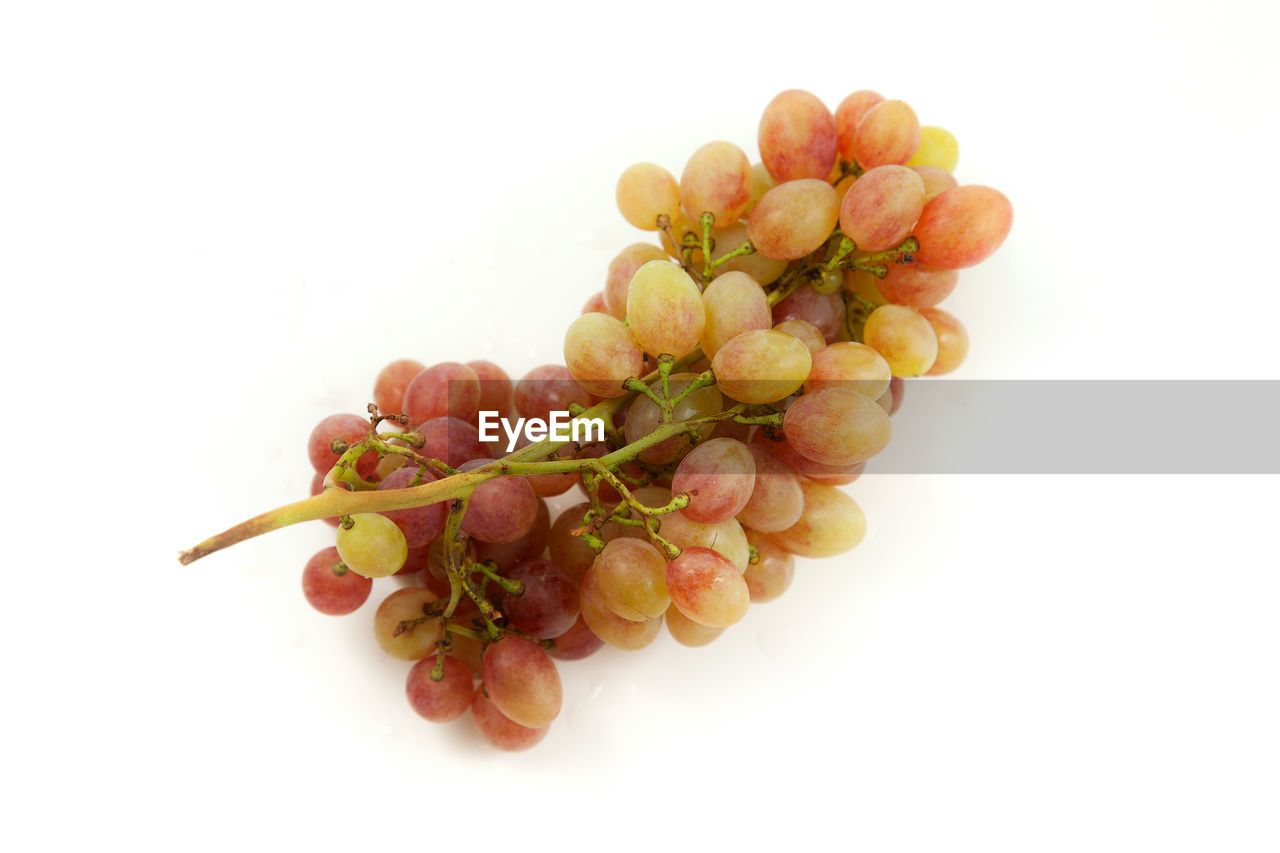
707, 588
825, 311
501, 509
836, 426
831, 524
953, 340
725, 537
848, 114
936, 181
528, 547
443, 700
331, 587
718, 476
805, 331
451, 441
617, 280
522, 681
880, 208
938, 148
547, 607
917, 286
388, 387
601, 353
576, 643
761, 366
630, 577
686, 632
644, 416
794, 219
888, 134
852, 366
761, 183
764, 270
373, 546
499, 730
776, 500
772, 572
903, 337
962, 227
402, 627
716, 180
595, 304
609, 626
448, 389
350, 429
545, 389
797, 137
664, 309
569, 552
644, 192
734, 303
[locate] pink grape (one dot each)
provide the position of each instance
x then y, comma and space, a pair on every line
644, 192
528, 547
734, 303
443, 700
773, 571
522, 681
962, 227
936, 181
805, 331
388, 387
686, 632
548, 388
881, 207
761, 366
601, 353
630, 576
797, 137
916, 285
498, 729
397, 610
501, 509
716, 180
825, 311
836, 426
448, 389
331, 587
776, 500
495, 387
609, 626
664, 310
849, 365
888, 134
848, 114
794, 219
351, 429
577, 643
953, 340
707, 588
718, 475
621, 270
451, 441
547, 607
595, 304
420, 524
903, 337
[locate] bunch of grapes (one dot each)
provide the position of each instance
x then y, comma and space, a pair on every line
741, 369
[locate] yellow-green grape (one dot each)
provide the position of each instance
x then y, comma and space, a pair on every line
646, 191
734, 303
953, 340
402, 627
761, 183
829, 282
761, 366
631, 577
832, 523
762, 269
850, 365
686, 632
903, 337
601, 354
794, 218
373, 546
609, 626
938, 147
664, 309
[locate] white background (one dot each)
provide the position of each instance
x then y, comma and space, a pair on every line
217, 224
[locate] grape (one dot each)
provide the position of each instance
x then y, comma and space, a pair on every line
802, 464
646, 191
707, 588
776, 500
686, 632
849, 365
609, 626
772, 572
953, 340
962, 227
451, 441
825, 311
888, 134
763, 270
761, 366
797, 137
836, 426
718, 476
499, 730
761, 183
880, 209
805, 331
400, 611
621, 269
794, 219
501, 509
577, 643
420, 524
350, 429
595, 304
495, 387
664, 308
630, 576
848, 114
832, 523
530, 546
601, 353
716, 180
330, 587
443, 700
734, 303
937, 148
936, 181
546, 389
725, 537
549, 604
569, 552
916, 285
522, 681
903, 337
388, 388
447, 389
644, 416
373, 546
